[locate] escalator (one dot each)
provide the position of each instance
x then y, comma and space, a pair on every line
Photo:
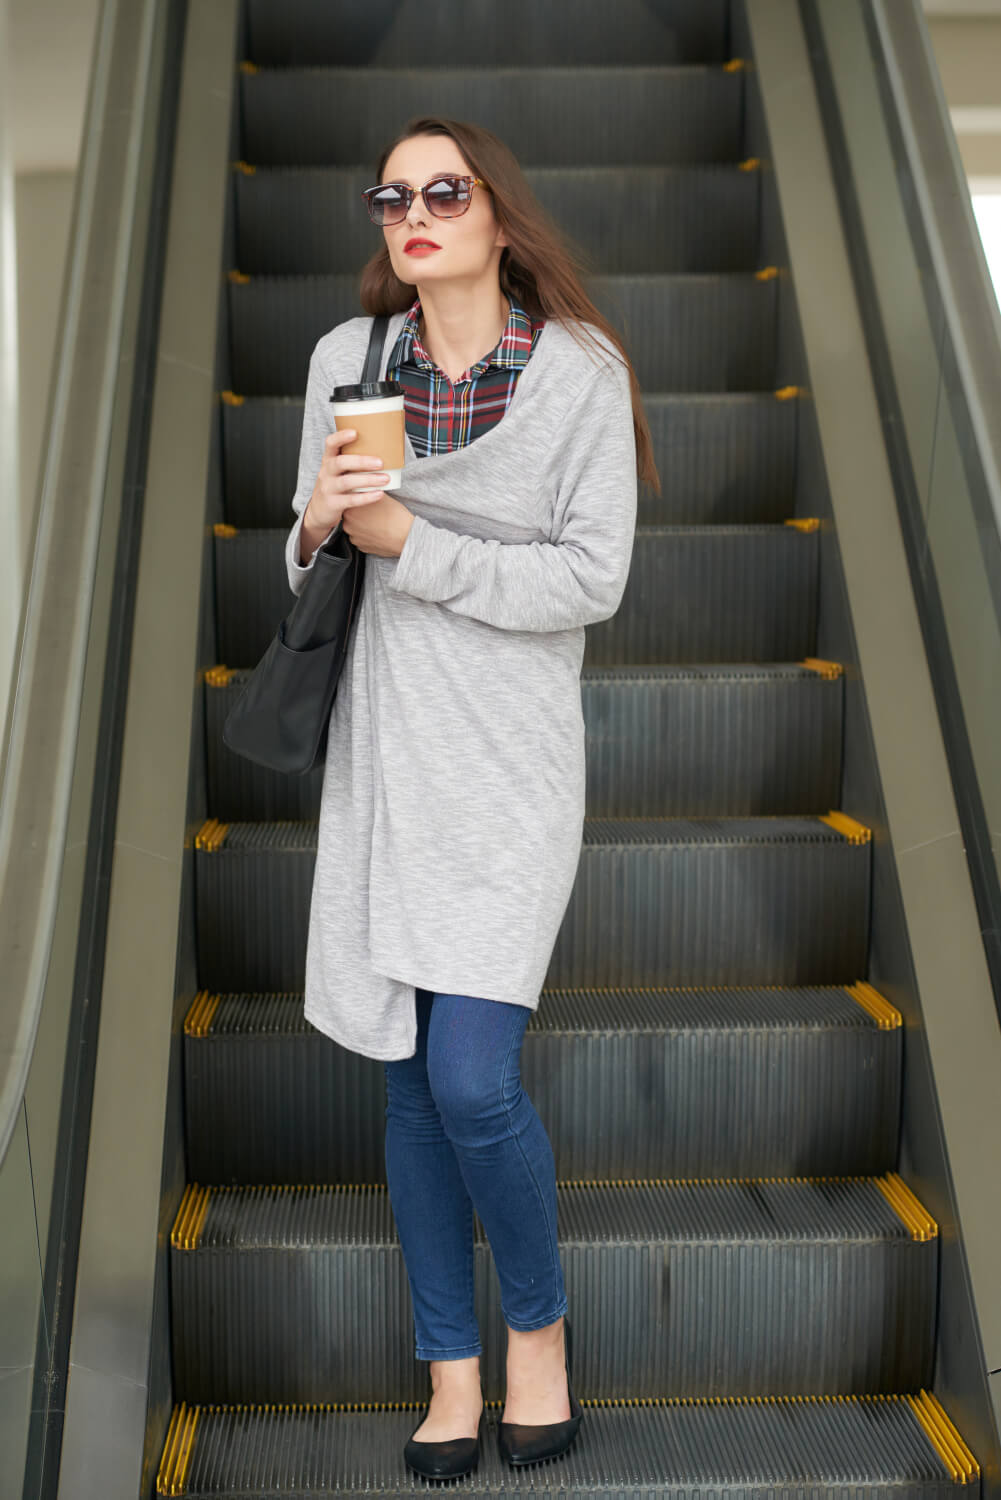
753, 1283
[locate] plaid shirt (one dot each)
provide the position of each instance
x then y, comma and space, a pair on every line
442, 414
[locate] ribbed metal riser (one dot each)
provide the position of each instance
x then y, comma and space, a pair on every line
815, 1092
547, 116
313, 33
311, 221
753, 914
683, 333
830, 1451
662, 744
763, 1288
779, 905
722, 459
740, 594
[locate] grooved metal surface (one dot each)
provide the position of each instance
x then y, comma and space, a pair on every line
722, 328
694, 594
655, 901
843, 1298
385, 34
322, 116
629, 1083
723, 458
670, 1451
660, 740
306, 221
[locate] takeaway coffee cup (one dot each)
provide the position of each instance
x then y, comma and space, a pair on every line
375, 410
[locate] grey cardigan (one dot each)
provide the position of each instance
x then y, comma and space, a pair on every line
452, 807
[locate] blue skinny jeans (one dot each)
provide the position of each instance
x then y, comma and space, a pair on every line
461, 1132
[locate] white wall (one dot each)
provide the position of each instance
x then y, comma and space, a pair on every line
44, 79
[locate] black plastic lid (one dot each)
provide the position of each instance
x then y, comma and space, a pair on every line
366, 391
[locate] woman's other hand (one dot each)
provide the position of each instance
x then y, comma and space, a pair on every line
380, 528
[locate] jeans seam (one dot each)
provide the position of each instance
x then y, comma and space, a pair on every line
531, 1172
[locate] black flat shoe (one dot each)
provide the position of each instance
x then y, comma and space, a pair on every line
522, 1444
450, 1457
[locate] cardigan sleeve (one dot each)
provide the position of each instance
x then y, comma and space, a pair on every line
576, 579
316, 423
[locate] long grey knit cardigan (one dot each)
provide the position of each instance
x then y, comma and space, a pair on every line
453, 793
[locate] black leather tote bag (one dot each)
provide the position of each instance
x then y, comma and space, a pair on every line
281, 718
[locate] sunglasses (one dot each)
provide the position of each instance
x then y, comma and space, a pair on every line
447, 197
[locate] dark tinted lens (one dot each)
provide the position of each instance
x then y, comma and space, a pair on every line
447, 196
387, 204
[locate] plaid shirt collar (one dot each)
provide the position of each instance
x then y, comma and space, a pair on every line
510, 353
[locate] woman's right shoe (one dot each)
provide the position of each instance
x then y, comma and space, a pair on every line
520, 1443
450, 1457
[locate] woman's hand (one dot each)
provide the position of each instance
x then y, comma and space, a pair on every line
381, 527
343, 491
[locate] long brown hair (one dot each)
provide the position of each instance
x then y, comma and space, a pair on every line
540, 267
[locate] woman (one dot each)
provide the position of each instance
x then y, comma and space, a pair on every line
453, 797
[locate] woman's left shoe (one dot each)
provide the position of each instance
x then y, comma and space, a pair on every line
520, 1443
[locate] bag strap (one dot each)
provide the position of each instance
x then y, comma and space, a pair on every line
376, 339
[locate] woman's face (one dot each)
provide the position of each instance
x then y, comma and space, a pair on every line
468, 245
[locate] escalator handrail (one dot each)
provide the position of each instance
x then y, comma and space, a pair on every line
38, 751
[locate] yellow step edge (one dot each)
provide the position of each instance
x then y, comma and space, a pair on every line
854, 831
928, 1410
248, 67
212, 835
767, 273
247, 168
178, 1441
876, 1004
735, 64
803, 523
907, 1207
190, 1218
238, 278
945, 1436
199, 1019
230, 398
789, 392
219, 676
223, 528
829, 669
750, 164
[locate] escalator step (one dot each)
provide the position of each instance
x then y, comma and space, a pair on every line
656, 901
307, 221
693, 332
724, 739
719, 1287
628, 1083
869, 1447
694, 594
384, 33
723, 458
548, 116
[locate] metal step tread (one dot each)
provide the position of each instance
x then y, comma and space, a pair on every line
220, 676
872, 1445
385, 74
226, 532
300, 835
309, 1216
577, 1012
